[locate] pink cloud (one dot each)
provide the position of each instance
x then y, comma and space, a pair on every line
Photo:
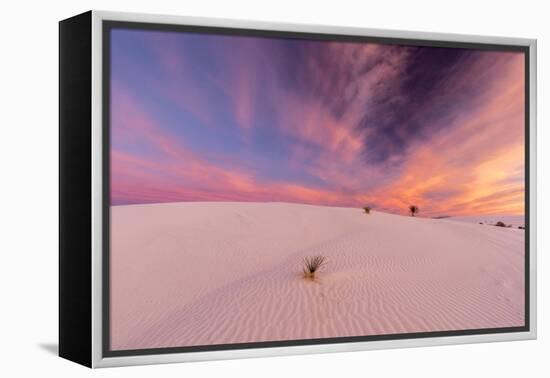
174, 173
479, 165
473, 165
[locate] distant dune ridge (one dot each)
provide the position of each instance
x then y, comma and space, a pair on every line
186, 274
511, 220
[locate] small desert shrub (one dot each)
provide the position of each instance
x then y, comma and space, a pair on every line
480, 222
413, 210
500, 224
521, 227
312, 265
367, 209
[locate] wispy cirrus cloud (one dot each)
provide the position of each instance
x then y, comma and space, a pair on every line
203, 117
169, 171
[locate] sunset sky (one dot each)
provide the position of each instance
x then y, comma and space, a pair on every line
198, 117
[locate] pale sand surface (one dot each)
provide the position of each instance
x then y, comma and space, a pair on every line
219, 272
514, 220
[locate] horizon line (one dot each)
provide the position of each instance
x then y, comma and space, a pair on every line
382, 210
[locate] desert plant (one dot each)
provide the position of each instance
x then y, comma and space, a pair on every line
521, 227
413, 210
500, 224
312, 265
367, 209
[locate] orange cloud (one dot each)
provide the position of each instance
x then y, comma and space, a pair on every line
473, 165
478, 168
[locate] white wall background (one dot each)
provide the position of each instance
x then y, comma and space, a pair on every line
28, 190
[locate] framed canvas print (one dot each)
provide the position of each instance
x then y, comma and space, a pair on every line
235, 189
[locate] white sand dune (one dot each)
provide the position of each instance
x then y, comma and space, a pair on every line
219, 272
513, 220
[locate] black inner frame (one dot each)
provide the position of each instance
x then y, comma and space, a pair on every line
109, 25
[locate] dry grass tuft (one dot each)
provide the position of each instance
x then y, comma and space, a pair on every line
413, 210
367, 209
312, 265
